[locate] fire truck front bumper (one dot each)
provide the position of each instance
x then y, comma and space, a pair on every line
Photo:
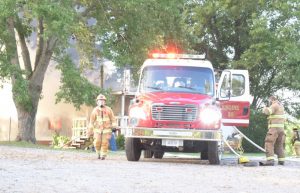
173, 133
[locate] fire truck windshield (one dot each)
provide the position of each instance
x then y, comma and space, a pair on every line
177, 79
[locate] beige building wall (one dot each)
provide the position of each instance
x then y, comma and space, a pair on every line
8, 114
47, 111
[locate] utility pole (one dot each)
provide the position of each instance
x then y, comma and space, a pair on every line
102, 75
126, 87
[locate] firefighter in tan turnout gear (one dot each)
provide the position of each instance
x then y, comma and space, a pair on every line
296, 140
275, 139
102, 123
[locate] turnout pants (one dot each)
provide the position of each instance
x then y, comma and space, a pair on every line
297, 148
101, 142
274, 143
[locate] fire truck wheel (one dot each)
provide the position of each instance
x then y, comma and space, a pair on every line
159, 154
204, 155
133, 149
213, 153
148, 153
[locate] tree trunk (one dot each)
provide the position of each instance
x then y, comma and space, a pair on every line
33, 81
26, 125
27, 117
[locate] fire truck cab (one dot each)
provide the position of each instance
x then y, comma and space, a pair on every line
179, 108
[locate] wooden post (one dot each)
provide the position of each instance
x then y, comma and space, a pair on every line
9, 129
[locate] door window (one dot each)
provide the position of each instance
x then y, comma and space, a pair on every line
225, 86
238, 85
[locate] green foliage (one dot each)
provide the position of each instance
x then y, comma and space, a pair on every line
256, 131
76, 89
120, 140
21, 94
59, 17
45, 25
5, 69
58, 141
289, 133
130, 29
267, 60
271, 58
294, 109
260, 36
221, 28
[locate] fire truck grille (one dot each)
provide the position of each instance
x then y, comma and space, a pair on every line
174, 112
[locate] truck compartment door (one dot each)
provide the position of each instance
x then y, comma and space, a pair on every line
233, 93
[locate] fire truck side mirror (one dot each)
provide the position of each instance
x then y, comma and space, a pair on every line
214, 101
133, 101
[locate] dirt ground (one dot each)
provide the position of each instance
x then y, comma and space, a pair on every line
33, 170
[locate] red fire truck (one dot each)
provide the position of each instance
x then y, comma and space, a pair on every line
179, 108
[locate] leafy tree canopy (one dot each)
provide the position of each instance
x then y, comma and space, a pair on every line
260, 36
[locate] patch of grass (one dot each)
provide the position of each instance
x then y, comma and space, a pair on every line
24, 144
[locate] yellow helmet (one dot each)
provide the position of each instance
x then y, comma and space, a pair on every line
101, 97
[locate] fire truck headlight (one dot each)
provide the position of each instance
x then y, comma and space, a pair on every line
138, 113
210, 116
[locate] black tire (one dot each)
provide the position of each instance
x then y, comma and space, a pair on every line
204, 155
148, 153
133, 149
204, 150
159, 154
213, 153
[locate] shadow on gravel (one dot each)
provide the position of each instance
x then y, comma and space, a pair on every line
224, 162
177, 160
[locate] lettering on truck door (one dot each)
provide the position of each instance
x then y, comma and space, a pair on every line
234, 97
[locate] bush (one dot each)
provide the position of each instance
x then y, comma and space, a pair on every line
256, 131
120, 142
58, 141
289, 148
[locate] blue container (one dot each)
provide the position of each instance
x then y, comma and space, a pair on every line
113, 143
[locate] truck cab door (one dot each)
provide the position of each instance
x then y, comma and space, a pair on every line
233, 94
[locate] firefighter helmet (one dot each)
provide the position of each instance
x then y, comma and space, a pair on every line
101, 97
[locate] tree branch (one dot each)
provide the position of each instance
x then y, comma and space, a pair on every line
11, 46
40, 43
24, 48
44, 60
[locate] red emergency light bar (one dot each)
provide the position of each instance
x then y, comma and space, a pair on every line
177, 56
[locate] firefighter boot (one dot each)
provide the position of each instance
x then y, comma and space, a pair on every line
267, 163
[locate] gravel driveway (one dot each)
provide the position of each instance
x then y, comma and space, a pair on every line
33, 170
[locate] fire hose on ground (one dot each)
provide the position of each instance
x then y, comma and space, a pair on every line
260, 148
242, 159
